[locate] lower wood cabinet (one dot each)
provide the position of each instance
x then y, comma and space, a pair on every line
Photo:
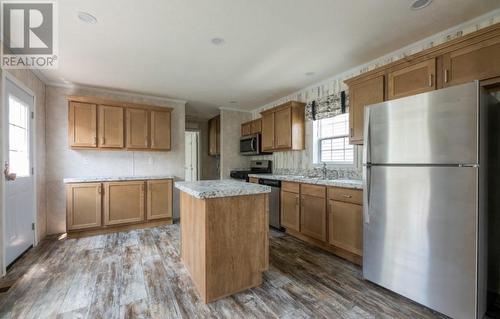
254, 180
290, 210
123, 202
346, 226
328, 217
313, 217
159, 195
83, 205
95, 205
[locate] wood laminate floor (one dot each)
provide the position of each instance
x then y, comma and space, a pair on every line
138, 274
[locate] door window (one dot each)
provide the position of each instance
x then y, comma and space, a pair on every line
19, 152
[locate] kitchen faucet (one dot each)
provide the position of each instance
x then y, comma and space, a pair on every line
323, 170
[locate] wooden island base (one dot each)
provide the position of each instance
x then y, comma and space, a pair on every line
224, 242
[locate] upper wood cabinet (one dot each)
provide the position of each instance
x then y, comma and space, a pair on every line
82, 124
479, 61
83, 205
252, 127
137, 128
283, 127
246, 129
214, 136
98, 123
361, 94
123, 202
414, 79
160, 130
110, 126
159, 199
267, 131
256, 126
475, 56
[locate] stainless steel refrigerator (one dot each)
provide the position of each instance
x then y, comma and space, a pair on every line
426, 172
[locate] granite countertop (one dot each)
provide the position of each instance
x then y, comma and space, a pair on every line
114, 178
221, 188
346, 183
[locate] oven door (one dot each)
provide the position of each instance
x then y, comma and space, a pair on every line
249, 145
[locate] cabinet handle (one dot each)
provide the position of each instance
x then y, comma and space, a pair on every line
95, 140
346, 196
430, 79
102, 140
297, 201
352, 131
446, 76
99, 190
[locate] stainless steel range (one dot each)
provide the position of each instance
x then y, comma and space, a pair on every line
256, 167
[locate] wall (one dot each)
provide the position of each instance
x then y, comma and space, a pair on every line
32, 82
64, 162
301, 161
230, 157
208, 163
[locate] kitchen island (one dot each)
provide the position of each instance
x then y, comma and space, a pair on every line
224, 235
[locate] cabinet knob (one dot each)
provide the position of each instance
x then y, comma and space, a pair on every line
446, 76
431, 79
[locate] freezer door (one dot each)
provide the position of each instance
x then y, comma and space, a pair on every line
420, 238
439, 127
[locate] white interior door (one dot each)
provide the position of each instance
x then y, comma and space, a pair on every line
191, 166
18, 170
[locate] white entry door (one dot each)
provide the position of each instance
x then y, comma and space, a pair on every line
191, 166
18, 170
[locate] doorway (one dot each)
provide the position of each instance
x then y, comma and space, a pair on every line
192, 167
19, 209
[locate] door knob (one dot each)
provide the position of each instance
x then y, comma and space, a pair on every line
8, 175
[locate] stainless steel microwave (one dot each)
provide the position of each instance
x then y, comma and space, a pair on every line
250, 145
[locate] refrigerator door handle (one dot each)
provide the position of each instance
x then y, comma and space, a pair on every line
366, 192
366, 167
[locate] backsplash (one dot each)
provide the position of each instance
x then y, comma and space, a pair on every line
331, 173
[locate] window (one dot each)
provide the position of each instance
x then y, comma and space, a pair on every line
19, 137
332, 140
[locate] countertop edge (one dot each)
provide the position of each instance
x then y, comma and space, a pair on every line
294, 179
74, 180
214, 193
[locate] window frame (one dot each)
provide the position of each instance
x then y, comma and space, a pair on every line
317, 147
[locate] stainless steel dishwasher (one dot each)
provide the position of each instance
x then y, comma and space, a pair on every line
274, 201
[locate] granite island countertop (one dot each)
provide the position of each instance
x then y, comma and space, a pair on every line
345, 183
114, 178
221, 188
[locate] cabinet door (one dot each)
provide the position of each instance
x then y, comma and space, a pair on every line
110, 126
268, 131
290, 211
159, 199
256, 126
346, 226
137, 128
283, 128
83, 205
82, 126
246, 129
160, 130
361, 94
414, 79
214, 136
123, 202
475, 62
313, 217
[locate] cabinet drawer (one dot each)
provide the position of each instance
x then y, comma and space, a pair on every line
346, 195
290, 187
313, 190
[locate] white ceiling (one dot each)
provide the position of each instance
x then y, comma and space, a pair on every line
163, 47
